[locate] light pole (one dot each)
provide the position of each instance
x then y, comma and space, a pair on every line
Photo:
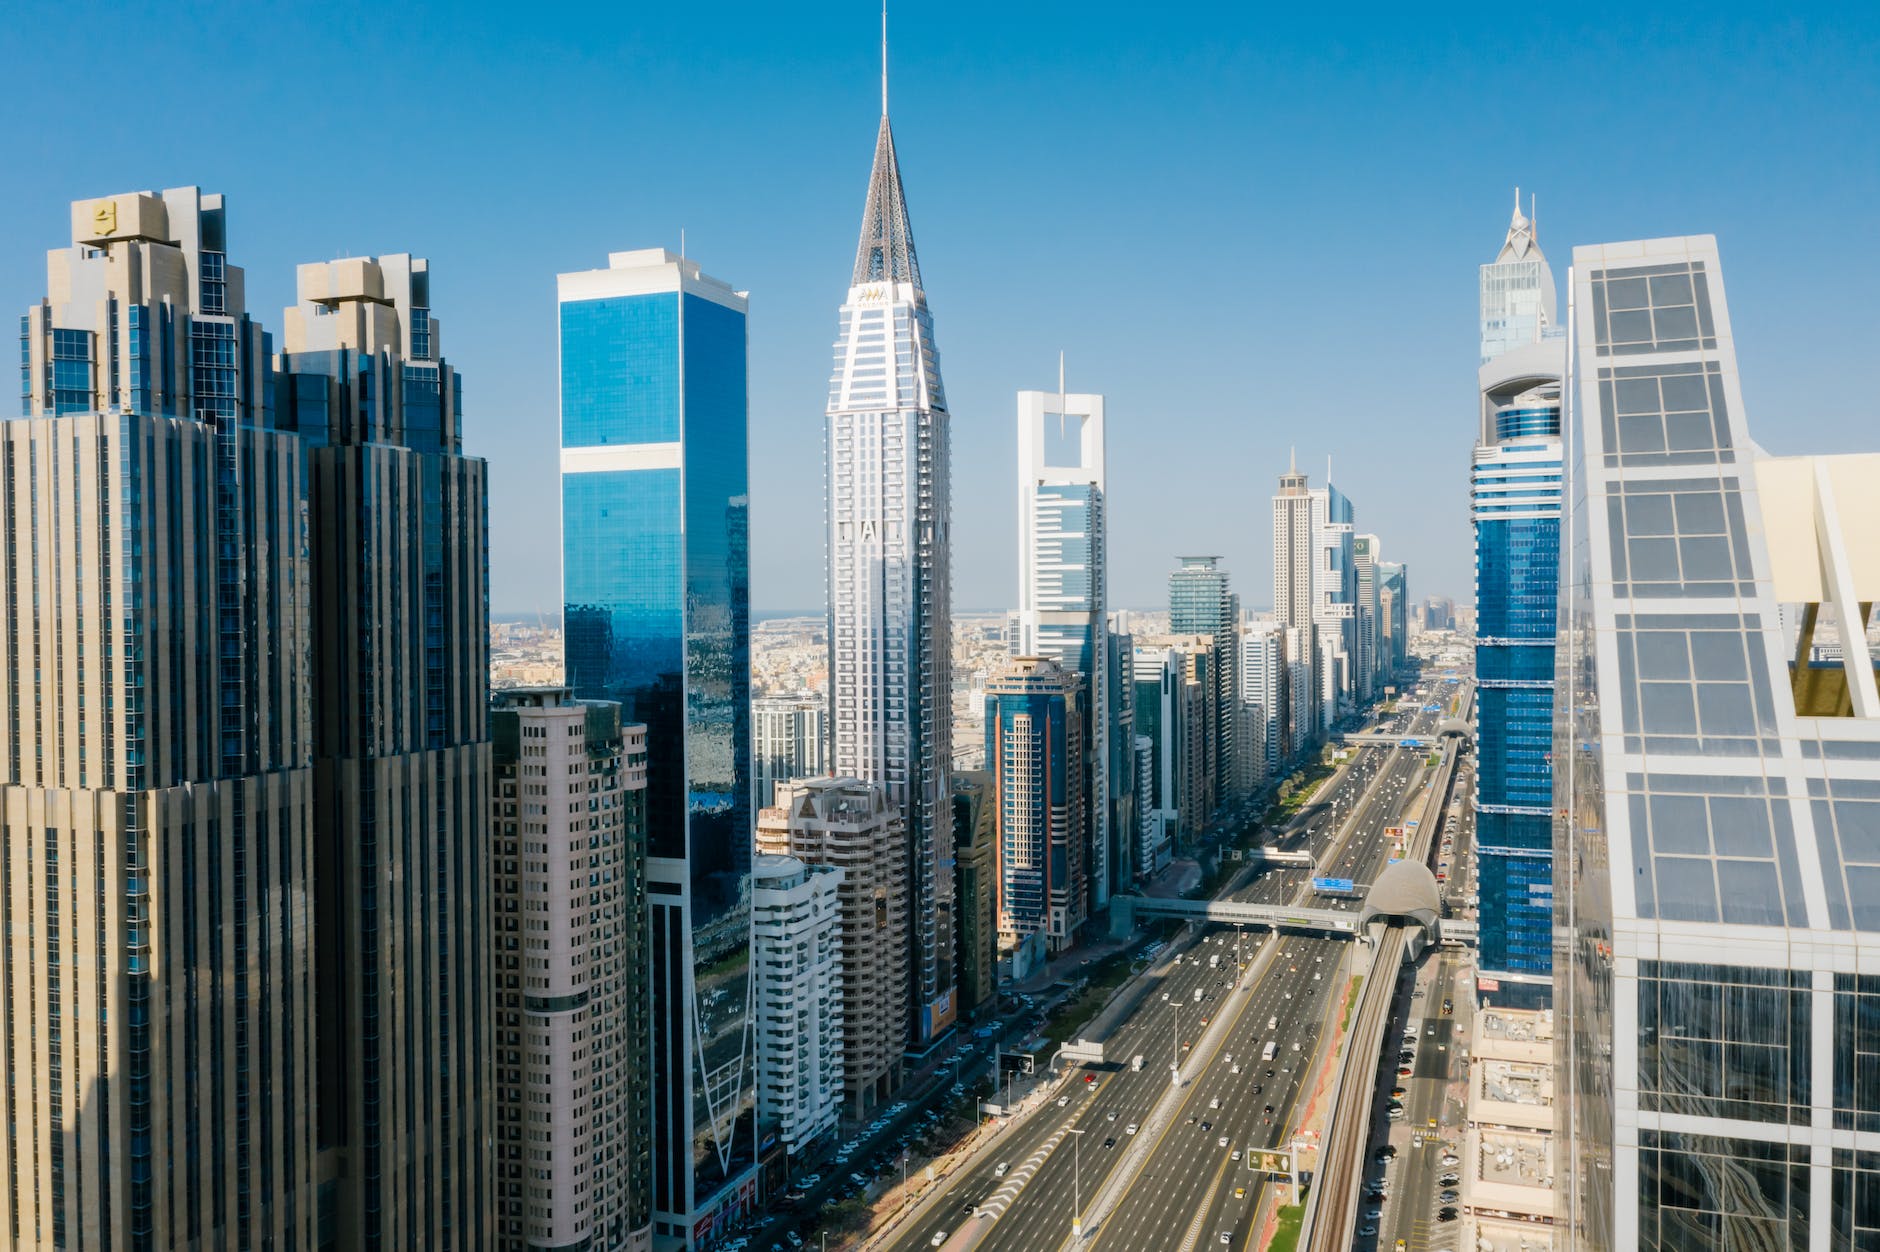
1077, 1186
1175, 1044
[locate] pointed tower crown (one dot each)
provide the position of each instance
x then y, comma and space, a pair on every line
1520, 241
886, 251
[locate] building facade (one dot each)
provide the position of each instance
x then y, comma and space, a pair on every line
790, 739
853, 826
656, 615
1393, 613
156, 761
1334, 601
1716, 796
796, 949
1293, 606
572, 1114
1365, 551
1160, 706
1515, 508
1062, 577
889, 519
1263, 685
400, 571
1034, 752
976, 868
1199, 603
1125, 813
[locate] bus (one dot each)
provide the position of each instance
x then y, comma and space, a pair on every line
1272, 1046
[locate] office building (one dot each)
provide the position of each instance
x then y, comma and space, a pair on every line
156, 763
1125, 816
1334, 600
1296, 528
1717, 918
1299, 645
1062, 576
397, 520
1517, 291
976, 869
1515, 507
656, 615
572, 1116
889, 518
1393, 613
796, 950
789, 739
1162, 701
852, 826
1034, 752
1201, 604
1365, 551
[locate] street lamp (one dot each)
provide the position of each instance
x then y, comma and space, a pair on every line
1077, 1185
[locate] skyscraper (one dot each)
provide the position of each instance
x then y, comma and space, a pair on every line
1199, 603
572, 1123
976, 859
1517, 291
1062, 577
1718, 807
890, 632
1034, 752
852, 826
157, 760
1160, 706
1125, 814
656, 590
1393, 613
1365, 551
400, 578
1334, 599
1515, 489
1293, 556
1263, 684
796, 943
789, 737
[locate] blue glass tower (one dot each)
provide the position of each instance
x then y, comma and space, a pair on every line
1516, 509
656, 591
1035, 754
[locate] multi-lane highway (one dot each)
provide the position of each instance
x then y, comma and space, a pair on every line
1174, 1182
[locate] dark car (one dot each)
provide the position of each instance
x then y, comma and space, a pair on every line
1269, 1110
1449, 1179
1258, 1088
1446, 1214
1110, 1142
1386, 1153
1448, 1197
1449, 1006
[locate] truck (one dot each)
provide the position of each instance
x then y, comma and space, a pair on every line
1214, 961
1197, 995
1135, 1063
1272, 1046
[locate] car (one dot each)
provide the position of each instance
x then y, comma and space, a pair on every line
1366, 1231
1222, 1141
1226, 1238
1063, 1100
1446, 1214
1089, 1078
1269, 1071
1403, 1071
1396, 1093
1269, 1110
1385, 1152
1206, 1126
969, 1207
1130, 1129
1373, 1214
1395, 1106
1110, 1142
999, 1171
1236, 1155
1449, 1007
1110, 1116
939, 1237
1258, 1087
1240, 1193
1449, 1179
1215, 1103
1448, 1197
1235, 1069
1450, 1159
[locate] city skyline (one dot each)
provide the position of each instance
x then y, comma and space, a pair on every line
794, 121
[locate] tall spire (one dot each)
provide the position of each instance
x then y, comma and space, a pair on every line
1520, 240
886, 251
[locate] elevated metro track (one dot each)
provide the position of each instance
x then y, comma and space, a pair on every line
1331, 1216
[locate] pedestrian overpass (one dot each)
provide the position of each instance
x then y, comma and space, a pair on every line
1449, 728
1126, 912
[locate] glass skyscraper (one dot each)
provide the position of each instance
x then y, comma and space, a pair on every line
656, 614
1199, 603
1035, 755
1062, 584
1717, 737
1515, 506
890, 623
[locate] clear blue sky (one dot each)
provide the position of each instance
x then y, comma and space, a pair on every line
1251, 226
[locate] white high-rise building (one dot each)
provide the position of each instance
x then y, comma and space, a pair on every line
890, 636
789, 739
1263, 684
796, 954
1062, 582
1334, 598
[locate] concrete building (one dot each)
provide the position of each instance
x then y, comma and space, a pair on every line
655, 495
1515, 507
396, 522
852, 826
976, 868
572, 1115
796, 951
1334, 601
1716, 792
1365, 551
789, 739
889, 499
156, 769
1062, 584
1034, 752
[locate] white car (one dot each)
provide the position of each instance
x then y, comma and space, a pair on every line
1130, 1129
939, 1237
1000, 1171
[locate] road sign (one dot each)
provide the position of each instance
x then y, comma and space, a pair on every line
1334, 886
1410, 743
1277, 1161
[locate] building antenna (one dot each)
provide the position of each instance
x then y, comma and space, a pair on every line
682, 243
1292, 460
884, 58
1328, 469
1062, 402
